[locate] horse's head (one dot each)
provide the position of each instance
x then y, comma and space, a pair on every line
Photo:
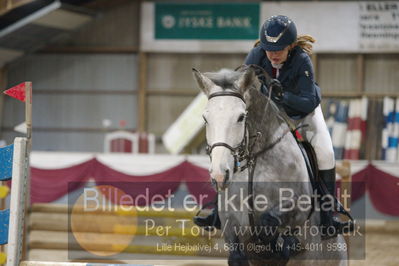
225, 118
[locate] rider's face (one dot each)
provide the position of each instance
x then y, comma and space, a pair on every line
278, 57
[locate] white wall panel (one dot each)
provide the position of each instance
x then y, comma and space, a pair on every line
173, 71
337, 72
382, 73
168, 72
77, 71
67, 141
74, 111
164, 110
69, 111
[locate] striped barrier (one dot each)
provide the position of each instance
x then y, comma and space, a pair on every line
388, 111
356, 128
393, 131
338, 126
15, 161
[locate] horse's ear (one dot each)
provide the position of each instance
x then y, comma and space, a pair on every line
204, 83
246, 79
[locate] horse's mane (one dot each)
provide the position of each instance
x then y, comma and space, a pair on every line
225, 78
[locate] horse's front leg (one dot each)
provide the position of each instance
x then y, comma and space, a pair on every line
284, 216
233, 245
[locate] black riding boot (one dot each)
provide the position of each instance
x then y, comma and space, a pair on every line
212, 220
331, 225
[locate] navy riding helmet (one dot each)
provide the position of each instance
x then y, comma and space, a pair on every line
277, 33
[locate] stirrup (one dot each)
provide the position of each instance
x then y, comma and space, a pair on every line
340, 228
348, 227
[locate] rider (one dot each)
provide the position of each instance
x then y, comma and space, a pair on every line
285, 57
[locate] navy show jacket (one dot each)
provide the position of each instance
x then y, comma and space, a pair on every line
301, 93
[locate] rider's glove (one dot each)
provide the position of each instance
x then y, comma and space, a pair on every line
277, 90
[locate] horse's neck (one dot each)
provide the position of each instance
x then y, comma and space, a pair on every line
263, 117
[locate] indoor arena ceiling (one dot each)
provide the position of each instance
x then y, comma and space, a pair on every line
33, 25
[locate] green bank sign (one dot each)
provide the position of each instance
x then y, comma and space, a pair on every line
227, 21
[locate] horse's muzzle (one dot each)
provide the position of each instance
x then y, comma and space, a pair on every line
222, 181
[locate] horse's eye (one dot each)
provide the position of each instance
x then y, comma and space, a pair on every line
206, 122
241, 118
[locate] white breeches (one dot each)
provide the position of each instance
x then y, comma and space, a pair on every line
317, 134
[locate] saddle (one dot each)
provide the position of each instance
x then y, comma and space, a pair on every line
309, 156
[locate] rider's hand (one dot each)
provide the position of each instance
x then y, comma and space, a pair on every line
277, 90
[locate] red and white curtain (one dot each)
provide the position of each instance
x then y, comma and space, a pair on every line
52, 173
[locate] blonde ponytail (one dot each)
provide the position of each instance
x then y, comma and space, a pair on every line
305, 42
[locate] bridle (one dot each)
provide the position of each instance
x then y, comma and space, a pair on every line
241, 152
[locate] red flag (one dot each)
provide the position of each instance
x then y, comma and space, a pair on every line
17, 92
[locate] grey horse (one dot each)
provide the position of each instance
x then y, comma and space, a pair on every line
241, 124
